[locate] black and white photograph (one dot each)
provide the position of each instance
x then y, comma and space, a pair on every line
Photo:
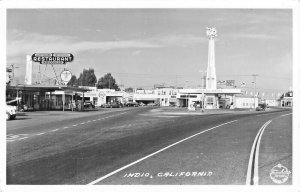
150, 96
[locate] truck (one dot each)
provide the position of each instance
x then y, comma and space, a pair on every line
10, 112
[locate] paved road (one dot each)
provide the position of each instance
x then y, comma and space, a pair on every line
146, 146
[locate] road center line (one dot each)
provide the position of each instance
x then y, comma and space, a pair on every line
285, 114
152, 154
252, 171
264, 114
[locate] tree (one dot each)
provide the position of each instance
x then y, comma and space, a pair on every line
129, 89
87, 77
108, 82
73, 81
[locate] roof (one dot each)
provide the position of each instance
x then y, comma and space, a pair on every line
287, 98
208, 91
46, 88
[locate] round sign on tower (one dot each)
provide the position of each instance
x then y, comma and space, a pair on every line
65, 76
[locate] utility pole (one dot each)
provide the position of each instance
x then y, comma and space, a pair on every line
254, 81
202, 86
12, 70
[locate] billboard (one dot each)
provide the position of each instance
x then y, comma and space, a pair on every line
221, 82
230, 83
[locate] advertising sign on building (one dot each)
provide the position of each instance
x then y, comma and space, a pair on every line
221, 82
230, 83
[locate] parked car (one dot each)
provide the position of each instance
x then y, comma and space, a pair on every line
26, 108
132, 104
142, 104
116, 105
261, 107
89, 105
152, 104
105, 105
10, 112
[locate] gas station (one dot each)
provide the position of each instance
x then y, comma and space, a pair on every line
209, 97
48, 91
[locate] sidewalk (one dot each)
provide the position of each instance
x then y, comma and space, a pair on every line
67, 112
34, 118
184, 110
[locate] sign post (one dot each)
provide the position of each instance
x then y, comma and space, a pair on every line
202, 100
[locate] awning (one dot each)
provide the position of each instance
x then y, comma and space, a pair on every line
145, 99
46, 88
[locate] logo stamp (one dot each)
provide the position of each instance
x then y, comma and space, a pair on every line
279, 174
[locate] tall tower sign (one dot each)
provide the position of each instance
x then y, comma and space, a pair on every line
211, 81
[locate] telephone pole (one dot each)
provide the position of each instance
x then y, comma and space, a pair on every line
202, 86
254, 81
11, 70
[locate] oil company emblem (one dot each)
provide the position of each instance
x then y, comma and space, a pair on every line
66, 76
279, 174
101, 95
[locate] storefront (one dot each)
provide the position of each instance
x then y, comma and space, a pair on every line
44, 97
102, 96
211, 99
286, 102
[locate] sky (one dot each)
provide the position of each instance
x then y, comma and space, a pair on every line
143, 47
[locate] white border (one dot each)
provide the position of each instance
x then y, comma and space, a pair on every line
255, 4
296, 95
2, 93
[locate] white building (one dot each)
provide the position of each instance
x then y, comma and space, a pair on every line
272, 102
164, 96
287, 100
102, 96
246, 102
